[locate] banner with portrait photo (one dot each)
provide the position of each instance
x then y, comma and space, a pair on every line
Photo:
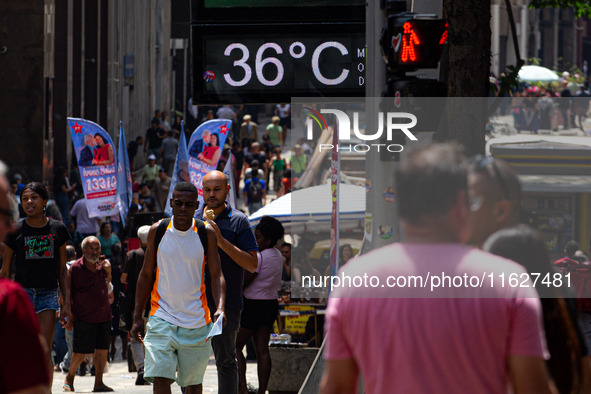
205, 149
97, 162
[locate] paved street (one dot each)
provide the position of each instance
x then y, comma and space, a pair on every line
123, 381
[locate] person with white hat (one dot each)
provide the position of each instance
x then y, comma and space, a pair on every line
149, 172
248, 131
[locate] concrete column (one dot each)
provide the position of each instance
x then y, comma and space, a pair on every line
523, 32
495, 40
555, 27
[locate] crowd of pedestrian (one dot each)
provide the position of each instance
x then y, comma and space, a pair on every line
550, 107
205, 263
274, 177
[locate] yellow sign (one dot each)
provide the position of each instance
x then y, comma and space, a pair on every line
296, 323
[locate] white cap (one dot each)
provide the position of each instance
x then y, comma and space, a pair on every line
142, 234
151, 157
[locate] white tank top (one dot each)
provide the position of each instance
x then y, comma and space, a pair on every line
178, 295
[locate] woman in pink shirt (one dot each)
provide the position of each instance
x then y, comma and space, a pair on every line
260, 302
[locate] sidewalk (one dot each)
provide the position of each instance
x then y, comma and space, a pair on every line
123, 381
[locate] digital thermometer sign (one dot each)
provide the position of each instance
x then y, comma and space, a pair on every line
272, 63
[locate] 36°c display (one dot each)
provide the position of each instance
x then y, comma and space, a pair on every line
274, 63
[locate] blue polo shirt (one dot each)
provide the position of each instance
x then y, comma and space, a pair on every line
235, 227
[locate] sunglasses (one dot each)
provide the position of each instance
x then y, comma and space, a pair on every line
483, 163
188, 204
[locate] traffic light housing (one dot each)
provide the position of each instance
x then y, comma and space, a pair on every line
413, 41
408, 94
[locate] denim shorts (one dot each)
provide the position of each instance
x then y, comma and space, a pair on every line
43, 299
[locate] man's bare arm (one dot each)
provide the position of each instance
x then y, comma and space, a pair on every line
107, 268
64, 283
218, 282
340, 377
247, 260
7, 262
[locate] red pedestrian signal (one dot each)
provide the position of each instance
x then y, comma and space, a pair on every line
412, 41
409, 40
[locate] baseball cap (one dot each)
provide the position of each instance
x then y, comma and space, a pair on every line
151, 157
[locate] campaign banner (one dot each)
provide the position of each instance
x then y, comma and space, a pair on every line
124, 183
205, 149
181, 168
95, 154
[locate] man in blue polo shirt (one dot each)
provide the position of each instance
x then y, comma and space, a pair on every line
238, 251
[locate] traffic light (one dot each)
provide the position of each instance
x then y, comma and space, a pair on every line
420, 96
413, 41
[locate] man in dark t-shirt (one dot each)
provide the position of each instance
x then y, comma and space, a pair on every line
90, 277
237, 248
154, 137
134, 261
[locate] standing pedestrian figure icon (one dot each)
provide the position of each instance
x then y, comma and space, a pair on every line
409, 40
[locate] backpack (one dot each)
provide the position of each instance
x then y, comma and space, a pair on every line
255, 191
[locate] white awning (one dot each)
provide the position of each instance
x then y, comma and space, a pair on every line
311, 208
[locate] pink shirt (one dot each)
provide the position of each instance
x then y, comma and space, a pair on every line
438, 345
268, 279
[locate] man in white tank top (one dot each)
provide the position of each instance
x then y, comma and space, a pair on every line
180, 321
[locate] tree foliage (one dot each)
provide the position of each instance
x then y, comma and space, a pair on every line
582, 7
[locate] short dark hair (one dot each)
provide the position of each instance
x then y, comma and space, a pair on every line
71, 251
525, 246
286, 244
37, 187
271, 229
428, 181
504, 180
103, 225
185, 187
571, 247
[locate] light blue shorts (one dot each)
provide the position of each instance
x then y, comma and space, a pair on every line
170, 348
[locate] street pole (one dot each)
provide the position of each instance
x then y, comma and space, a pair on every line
381, 218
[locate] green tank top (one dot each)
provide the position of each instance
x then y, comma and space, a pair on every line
279, 165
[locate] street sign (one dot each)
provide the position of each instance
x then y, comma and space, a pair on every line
262, 51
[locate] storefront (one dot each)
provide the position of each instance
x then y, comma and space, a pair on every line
555, 174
